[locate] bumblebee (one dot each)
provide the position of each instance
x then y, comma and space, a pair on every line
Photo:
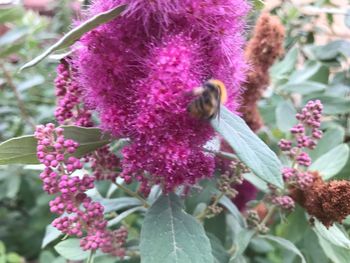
207, 101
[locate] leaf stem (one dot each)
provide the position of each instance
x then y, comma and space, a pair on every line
133, 194
20, 102
269, 215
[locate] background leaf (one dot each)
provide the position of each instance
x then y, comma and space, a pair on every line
75, 34
285, 116
332, 162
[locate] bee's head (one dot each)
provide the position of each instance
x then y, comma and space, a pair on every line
221, 86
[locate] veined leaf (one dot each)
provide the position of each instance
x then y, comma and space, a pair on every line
248, 147
169, 235
22, 150
75, 34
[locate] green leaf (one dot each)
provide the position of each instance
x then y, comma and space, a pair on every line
313, 70
260, 245
75, 34
232, 208
120, 203
51, 234
19, 150
284, 67
332, 162
333, 235
332, 50
335, 253
71, 250
46, 256
295, 226
242, 241
333, 105
218, 251
12, 36
11, 14
347, 18
304, 88
169, 235
285, 244
124, 215
258, 4
10, 49
89, 139
248, 147
33, 81
330, 139
311, 248
285, 116
13, 258
257, 182
22, 150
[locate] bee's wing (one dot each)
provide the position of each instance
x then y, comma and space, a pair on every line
219, 103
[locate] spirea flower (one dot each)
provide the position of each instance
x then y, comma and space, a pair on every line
79, 215
306, 135
69, 109
138, 72
261, 52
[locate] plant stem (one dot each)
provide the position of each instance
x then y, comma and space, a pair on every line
20, 102
222, 154
202, 215
133, 194
91, 257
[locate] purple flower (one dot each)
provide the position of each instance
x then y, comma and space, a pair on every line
138, 72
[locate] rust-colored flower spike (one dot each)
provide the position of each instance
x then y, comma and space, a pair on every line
329, 202
261, 51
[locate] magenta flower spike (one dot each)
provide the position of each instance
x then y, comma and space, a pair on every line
138, 72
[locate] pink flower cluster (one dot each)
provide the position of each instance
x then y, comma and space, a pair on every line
79, 214
70, 110
284, 201
68, 93
138, 70
306, 134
